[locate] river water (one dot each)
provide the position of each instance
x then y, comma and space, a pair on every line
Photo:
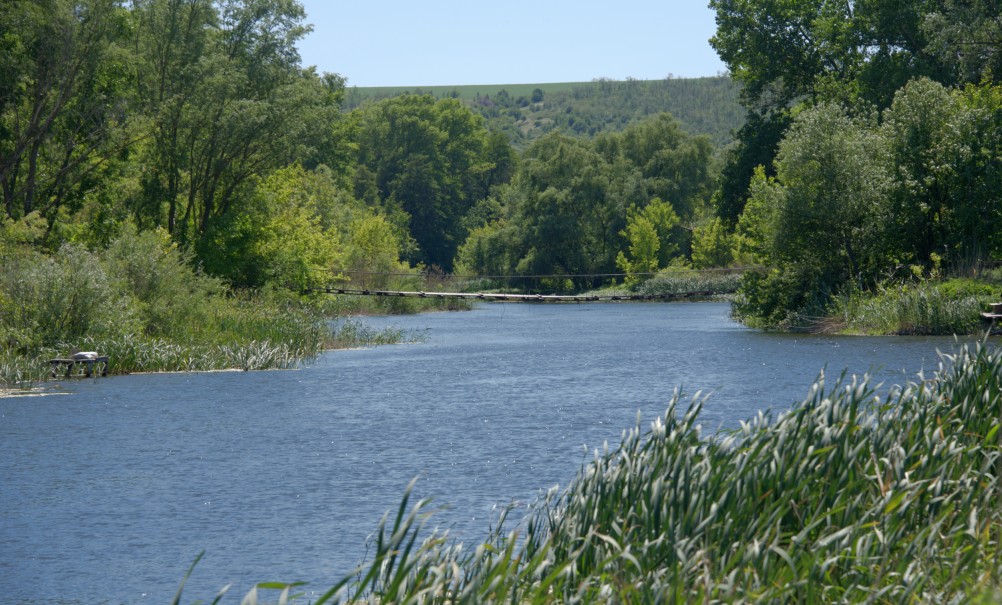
111, 488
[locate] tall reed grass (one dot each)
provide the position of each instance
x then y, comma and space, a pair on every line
846, 497
951, 307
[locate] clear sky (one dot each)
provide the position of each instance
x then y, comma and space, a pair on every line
456, 42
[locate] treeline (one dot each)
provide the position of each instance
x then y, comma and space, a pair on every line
196, 118
621, 202
189, 116
161, 159
871, 156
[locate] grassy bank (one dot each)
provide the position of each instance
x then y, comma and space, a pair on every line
946, 307
142, 304
843, 498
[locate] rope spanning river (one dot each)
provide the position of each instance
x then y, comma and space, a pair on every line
111, 488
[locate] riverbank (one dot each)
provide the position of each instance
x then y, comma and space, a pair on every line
944, 307
141, 302
925, 307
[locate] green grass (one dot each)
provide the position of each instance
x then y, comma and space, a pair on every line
946, 307
844, 498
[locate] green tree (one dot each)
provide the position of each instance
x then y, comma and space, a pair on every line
916, 128
648, 233
432, 160
229, 104
756, 145
279, 237
674, 165
835, 174
711, 245
755, 233
372, 252
63, 104
966, 36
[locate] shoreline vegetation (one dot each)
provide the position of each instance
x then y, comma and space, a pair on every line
141, 303
164, 316
846, 497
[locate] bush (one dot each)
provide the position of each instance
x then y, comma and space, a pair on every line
170, 297
50, 301
785, 298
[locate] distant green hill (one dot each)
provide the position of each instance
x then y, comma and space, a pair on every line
526, 111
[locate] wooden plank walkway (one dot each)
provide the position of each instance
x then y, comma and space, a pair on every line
497, 297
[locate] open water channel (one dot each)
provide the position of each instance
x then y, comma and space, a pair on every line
111, 488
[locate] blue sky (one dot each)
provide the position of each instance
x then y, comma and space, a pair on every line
453, 42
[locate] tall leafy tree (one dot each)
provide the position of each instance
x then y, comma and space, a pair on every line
171, 38
63, 103
966, 36
834, 170
229, 103
431, 159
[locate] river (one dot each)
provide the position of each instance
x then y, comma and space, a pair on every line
110, 487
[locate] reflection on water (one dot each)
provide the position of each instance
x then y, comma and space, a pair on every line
108, 494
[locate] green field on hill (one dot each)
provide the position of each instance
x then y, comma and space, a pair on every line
527, 111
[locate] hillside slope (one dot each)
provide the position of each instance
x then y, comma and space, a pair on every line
526, 111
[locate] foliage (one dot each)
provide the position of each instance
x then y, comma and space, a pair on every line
900, 58
567, 210
48, 300
648, 232
858, 53
856, 201
685, 280
785, 297
755, 234
160, 283
140, 303
429, 159
62, 101
835, 180
229, 104
711, 245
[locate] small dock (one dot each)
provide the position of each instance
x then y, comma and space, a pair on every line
992, 317
79, 363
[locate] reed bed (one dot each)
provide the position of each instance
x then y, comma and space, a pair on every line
926, 308
22, 372
846, 497
285, 345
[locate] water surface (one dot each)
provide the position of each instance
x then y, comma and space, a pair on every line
109, 491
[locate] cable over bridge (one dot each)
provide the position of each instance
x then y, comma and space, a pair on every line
688, 285
543, 298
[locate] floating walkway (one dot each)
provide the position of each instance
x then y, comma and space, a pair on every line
542, 298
